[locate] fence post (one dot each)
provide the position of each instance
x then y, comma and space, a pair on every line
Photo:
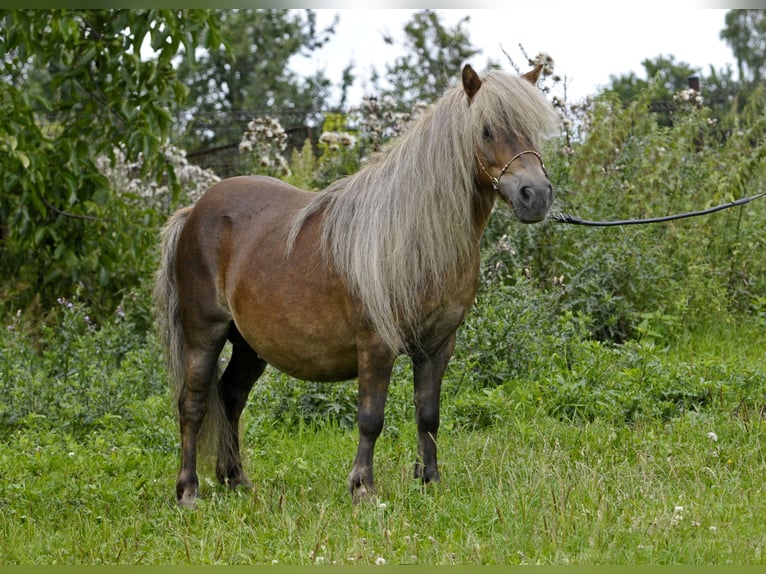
693, 83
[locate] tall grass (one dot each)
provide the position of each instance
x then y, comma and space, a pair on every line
533, 490
555, 449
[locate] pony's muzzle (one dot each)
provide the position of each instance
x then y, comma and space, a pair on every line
529, 198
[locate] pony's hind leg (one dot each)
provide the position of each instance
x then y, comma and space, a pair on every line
238, 379
194, 402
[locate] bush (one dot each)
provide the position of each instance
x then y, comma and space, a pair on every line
73, 374
571, 320
627, 165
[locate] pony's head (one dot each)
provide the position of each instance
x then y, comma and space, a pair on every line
510, 115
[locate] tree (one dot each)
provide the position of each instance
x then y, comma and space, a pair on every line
61, 223
664, 75
434, 56
745, 32
252, 74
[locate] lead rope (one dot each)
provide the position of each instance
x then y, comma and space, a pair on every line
564, 218
572, 220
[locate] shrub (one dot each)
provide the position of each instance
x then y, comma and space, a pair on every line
627, 165
72, 373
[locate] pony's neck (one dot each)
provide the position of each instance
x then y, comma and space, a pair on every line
483, 205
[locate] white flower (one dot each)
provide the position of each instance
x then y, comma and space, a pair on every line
328, 137
678, 515
347, 139
380, 561
712, 436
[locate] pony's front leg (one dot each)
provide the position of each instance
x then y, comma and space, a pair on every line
428, 371
375, 364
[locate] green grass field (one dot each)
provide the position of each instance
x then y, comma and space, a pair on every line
527, 483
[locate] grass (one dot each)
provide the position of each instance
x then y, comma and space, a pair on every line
530, 488
651, 452
536, 491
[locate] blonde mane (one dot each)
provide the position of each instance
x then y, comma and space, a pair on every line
404, 222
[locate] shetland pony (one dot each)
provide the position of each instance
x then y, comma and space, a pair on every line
332, 285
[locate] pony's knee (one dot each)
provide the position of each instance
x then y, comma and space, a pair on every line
370, 424
427, 417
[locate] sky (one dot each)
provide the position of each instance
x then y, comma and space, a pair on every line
588, 44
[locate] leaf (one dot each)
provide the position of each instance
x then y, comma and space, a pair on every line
23, 158
103, 277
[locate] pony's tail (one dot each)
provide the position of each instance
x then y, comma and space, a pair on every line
166, 303
214, 432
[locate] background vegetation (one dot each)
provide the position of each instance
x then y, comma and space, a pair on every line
606, 400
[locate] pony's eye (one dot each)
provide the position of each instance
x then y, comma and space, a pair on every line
486, 133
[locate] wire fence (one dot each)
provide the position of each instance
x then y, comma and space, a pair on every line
214, 137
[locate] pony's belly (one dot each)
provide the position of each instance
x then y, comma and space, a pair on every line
316, 373
307, 354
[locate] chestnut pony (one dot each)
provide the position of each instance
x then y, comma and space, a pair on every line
332, 285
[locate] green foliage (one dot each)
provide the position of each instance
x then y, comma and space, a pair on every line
338, 150
664, 77
433, 58
745, 32
74, 88
303, 165
73, 374
625, 166
251, 73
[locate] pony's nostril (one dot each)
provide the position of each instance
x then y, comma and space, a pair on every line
526, 195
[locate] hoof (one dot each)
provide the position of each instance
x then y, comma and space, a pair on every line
187, 492
238, 482
426, 474
361, 489
359, 494
188, 500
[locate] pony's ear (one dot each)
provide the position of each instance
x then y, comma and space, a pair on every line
471, 82
532, 75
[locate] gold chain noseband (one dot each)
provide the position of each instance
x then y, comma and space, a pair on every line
496, 180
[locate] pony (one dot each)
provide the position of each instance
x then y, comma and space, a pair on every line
336, 284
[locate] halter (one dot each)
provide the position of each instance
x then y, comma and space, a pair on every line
496, 180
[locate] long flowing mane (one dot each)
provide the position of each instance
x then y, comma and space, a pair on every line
404, 222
